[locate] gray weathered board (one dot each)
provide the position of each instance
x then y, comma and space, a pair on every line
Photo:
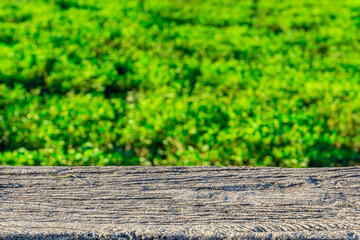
179, 203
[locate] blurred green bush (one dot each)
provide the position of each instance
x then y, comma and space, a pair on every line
185, 82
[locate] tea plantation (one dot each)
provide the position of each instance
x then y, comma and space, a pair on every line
180, 82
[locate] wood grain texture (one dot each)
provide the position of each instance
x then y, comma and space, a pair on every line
179, 203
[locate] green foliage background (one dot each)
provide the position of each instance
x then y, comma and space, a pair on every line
180, 82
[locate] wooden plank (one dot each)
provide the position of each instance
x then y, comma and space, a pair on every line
179, 203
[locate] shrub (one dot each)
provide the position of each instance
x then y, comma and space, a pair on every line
261, 83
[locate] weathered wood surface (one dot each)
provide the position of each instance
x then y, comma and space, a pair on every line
179, 203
